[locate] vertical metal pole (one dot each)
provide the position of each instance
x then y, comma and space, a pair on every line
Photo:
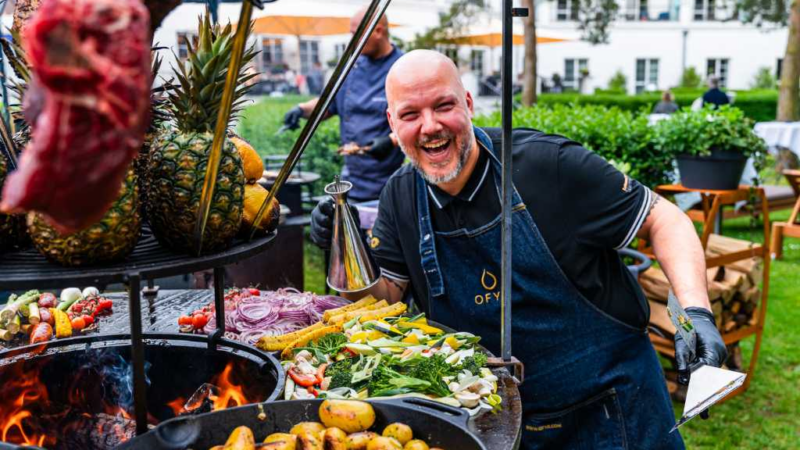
505, 306
137, 354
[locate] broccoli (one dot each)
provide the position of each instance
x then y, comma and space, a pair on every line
341, 373
386, 381
433, 370
473, 363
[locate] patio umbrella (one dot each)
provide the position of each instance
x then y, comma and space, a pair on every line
496, 40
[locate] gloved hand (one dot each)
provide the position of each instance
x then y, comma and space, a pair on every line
381, 147
322, 222
711, 350
291, 119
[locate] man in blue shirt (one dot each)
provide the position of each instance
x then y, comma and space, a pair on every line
371, 152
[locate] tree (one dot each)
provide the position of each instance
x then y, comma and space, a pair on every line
780, 12
452, 23
763, 79
690, 78
594, 19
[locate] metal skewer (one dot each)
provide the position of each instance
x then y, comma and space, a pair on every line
351, 54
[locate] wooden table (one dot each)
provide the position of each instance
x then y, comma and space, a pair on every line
791, 227
712, 202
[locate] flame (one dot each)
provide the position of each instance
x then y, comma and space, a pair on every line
177, 405
230, 394
18, 423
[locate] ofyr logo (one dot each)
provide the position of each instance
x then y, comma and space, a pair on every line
489, 283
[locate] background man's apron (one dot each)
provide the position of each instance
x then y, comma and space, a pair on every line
592, 382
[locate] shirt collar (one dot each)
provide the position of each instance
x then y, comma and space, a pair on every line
441, 198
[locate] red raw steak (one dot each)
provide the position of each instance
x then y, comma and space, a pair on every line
91, 66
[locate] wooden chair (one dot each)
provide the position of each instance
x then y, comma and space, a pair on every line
791, 227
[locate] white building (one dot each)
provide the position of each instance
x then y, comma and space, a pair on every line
651, 41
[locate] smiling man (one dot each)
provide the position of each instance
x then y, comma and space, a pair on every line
593, 380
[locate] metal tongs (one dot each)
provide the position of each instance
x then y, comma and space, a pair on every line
707, 385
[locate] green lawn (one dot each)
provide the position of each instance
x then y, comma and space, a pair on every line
767, 416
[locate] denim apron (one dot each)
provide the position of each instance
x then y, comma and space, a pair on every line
591, 381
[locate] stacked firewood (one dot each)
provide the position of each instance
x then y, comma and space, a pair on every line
733, 289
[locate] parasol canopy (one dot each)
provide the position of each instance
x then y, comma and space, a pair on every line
496, 40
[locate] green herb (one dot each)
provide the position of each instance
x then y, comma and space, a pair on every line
473, 363
330, 344
433, 370
341, 373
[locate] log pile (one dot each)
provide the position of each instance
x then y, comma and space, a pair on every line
733, 289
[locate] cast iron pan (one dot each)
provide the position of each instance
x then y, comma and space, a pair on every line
437, 424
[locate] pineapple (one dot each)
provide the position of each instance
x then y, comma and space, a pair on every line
178, 160
111, 239
158, 116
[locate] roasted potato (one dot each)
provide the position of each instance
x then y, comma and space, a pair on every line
384, 443
289, 441
334, 439
351, 416
309, 441
359, 441
308, 427
416, 444
399, 431
241, 439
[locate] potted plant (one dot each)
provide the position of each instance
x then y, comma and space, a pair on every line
710, 145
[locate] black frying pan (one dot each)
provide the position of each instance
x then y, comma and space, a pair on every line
437, 424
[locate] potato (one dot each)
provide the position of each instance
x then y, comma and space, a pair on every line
288, 441
384, 443
334, 439
241, 439
309, 441
416, 444
399, 431
307, 427
351, 416
359, 441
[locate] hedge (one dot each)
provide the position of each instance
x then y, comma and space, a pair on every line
760, 106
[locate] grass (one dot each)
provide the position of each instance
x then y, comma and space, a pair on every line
767, 416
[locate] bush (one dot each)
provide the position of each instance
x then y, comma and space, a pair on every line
618, 83
690, 79
764, 79
759, 105
260, 123
621, 137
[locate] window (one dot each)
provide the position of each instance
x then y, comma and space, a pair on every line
309, 54
339, 49
452, 53
646, 75
636, 10
572, 72
271, 53
778, 68
719, 69
184, 37
567, 10
476, 62
712, 10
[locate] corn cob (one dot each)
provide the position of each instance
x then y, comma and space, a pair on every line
366, 301
340, 318
308, 337
63, 325
277, 343
389, 311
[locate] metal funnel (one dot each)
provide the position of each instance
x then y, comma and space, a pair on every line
350, 269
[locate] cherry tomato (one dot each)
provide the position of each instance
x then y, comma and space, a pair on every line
104, 305
78, 323
77, 308
254, 291
185, 320
87, 319
199, 321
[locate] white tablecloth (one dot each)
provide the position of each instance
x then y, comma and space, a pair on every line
780, 134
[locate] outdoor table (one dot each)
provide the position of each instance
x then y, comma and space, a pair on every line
780, 134
160, 314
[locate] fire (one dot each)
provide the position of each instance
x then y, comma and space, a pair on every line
221, 391
17, 422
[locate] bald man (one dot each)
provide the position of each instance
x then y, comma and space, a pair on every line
593, 380
371, 154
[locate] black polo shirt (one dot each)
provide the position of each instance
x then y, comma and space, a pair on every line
584, 208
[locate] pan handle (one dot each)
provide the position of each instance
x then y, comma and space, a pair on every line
458, 416
178, 433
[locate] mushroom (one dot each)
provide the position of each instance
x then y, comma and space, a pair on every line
468, 399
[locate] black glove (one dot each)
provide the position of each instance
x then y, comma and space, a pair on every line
381, 147
711, 349
322, 222
291, 119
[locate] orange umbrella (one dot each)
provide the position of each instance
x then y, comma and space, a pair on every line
496, 40
303, 25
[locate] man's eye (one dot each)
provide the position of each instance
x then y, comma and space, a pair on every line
408, 116
445, 106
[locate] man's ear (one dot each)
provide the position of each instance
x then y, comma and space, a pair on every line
470, 105
389, 118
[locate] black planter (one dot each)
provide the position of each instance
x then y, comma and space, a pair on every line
722, 170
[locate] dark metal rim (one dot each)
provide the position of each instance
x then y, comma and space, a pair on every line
224, 345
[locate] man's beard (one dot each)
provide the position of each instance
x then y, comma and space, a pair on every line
463, 154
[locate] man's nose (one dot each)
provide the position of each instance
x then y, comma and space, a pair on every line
429, 123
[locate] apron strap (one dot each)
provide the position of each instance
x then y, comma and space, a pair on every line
427, 247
